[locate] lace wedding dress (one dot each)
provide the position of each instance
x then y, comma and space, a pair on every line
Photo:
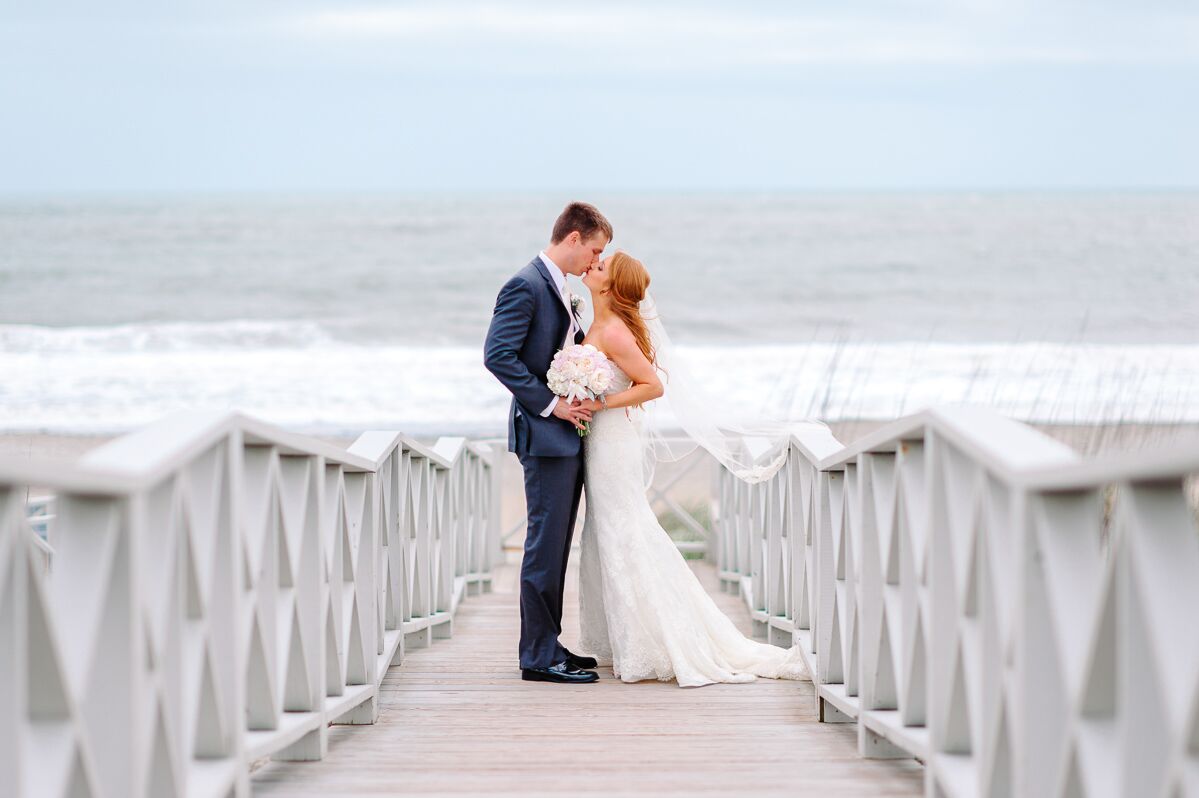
641, 608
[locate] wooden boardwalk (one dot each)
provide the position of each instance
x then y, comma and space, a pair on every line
457, 720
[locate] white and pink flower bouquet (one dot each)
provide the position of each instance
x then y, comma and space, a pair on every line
579, 372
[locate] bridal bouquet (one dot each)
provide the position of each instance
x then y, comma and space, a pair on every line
579, 372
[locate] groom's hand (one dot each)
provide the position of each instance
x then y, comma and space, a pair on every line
572, 413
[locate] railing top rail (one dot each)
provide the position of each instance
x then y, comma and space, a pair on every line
375, 446
450, 448
1007, 447
142, 458
481, 448
440, 455
883, 438
1167, 463
1004, 445
68, 477
1012, 450
817, 444
257, 431
167, 444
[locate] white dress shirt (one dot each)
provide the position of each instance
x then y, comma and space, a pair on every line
559, 282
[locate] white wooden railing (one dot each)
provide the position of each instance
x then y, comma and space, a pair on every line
962, 599
220, 590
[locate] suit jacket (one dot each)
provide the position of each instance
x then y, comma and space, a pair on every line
528, 327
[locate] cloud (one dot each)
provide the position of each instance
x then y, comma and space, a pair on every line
714, 34
764, 93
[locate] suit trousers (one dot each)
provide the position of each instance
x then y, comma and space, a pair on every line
553, 486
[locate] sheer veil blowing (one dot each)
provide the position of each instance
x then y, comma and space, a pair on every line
721, 431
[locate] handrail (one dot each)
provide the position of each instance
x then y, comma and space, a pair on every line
221, 590
960, 595
1002, 444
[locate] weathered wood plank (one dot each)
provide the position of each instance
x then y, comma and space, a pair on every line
456, 720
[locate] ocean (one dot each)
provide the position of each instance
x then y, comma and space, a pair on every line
337, 313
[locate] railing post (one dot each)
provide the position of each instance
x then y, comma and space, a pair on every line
495, 493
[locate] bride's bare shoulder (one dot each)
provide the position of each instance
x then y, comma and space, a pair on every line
613, 337
618, 337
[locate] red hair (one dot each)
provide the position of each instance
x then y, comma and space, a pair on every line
627, 283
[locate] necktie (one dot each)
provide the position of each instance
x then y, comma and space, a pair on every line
570, 331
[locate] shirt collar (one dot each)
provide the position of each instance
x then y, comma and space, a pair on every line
558, 275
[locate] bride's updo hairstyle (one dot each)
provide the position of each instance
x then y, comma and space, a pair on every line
627, 283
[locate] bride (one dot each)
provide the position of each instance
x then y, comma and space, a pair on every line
641, 607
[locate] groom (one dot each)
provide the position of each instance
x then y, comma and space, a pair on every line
533, 319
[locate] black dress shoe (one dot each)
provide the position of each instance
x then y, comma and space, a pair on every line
579, 662
562, 673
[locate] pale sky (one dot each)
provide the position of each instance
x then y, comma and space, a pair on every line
215, 95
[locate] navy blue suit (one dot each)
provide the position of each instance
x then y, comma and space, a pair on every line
528, 327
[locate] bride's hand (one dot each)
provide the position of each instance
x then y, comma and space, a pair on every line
590, 405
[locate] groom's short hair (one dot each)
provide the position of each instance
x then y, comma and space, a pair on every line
581, 216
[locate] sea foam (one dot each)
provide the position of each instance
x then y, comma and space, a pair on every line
110, 379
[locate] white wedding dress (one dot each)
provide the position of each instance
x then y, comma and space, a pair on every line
641, 608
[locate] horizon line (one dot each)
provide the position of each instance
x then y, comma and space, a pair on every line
22, 194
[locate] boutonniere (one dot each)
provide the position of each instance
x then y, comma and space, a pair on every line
576, 303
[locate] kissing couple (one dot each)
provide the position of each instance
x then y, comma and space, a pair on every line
641, 608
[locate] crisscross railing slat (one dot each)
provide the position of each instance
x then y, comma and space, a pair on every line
215, 590
963, 597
